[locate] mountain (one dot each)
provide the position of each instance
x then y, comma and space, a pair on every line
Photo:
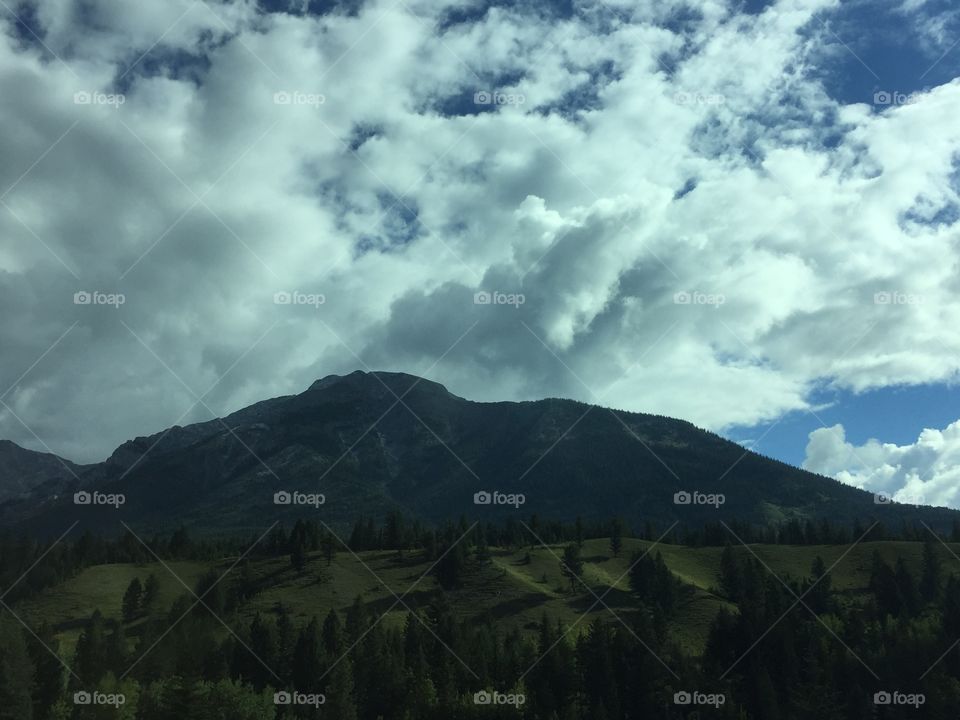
375, 442
26, 473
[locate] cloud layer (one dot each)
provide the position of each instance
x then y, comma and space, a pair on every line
925, 472
696, 227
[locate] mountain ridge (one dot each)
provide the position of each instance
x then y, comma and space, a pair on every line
372, 443
24, 471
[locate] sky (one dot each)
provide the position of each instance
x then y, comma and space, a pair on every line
743, 214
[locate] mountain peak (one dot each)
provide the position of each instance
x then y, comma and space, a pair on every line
398, 382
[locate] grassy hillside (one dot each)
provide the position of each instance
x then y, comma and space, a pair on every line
68, 606
515, 589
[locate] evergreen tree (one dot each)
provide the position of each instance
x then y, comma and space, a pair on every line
616, 537
332, 634
328, 544
931, 573
307, 659
89, 661
340, 701
132, 600
393, 531
286, 639
818, 598
450, 567
151, 593
884, 586
16, 673
951, 607
731, 580
482, 550
181, 545
299, 546
263, 653
765, 695
48, 681
907, 586
572, 565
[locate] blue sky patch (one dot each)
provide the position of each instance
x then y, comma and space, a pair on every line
875, 51
892, 415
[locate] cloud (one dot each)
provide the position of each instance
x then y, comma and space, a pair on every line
623, 159
927, 471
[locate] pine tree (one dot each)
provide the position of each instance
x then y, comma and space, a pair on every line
89, 662
299, 545
329, 548
665, 586
818, 598
307, 660
482, 552
48, 681
263, 653
765, 696
731, 579
180, 544
298, 558
357, 619
931, 573
132, 600
951, 607
450, 568
340, 701
16, 673
616, 537
151, 593
572, 565
393, 531
286, 638
907, 587
332, 634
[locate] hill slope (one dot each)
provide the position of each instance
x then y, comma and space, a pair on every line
516, 590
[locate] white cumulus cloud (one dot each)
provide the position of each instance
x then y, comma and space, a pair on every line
927, 471
629, 159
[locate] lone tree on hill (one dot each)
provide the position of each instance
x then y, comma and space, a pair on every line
571, 565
